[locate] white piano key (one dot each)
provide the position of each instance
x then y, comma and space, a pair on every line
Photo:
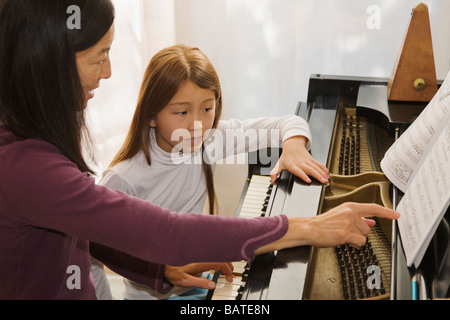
252, 207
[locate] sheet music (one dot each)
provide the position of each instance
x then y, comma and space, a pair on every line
426, 200
419, 165
406, 155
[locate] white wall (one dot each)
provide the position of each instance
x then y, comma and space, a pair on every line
263, 50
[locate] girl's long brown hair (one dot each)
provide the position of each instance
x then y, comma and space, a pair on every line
166, 72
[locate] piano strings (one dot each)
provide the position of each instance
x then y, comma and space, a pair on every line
358, 154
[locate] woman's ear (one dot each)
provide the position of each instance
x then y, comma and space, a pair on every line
153, 124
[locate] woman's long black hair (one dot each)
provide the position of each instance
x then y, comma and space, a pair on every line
41, 95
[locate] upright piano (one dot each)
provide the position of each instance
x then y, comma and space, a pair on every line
352, 125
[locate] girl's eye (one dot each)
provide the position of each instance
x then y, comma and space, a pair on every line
207, 109
183, 113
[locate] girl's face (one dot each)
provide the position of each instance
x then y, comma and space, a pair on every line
183, 122
94, 64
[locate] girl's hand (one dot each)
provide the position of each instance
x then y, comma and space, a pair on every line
186, 276
298, 161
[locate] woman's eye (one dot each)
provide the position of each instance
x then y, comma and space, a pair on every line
207, 109
182, 113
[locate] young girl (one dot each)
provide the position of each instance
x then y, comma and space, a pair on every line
176, 138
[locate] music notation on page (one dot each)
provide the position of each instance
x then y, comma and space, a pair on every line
419, 165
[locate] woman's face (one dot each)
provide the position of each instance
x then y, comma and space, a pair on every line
94, 64
184, 121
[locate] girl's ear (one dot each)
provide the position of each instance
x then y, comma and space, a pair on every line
153, 124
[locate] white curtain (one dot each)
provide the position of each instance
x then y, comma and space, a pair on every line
142, 28
263, 50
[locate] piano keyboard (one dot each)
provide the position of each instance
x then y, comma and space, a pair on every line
257, 198
231, 290
254, 205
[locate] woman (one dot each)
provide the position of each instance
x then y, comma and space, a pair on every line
53, 215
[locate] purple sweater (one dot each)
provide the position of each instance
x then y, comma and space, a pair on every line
53, 217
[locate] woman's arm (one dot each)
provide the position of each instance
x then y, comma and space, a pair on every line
346, 224
46, 190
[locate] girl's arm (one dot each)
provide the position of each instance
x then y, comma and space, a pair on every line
292, 132
243, 136
143, 272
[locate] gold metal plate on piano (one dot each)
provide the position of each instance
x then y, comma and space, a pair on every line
344, 273
331, 265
